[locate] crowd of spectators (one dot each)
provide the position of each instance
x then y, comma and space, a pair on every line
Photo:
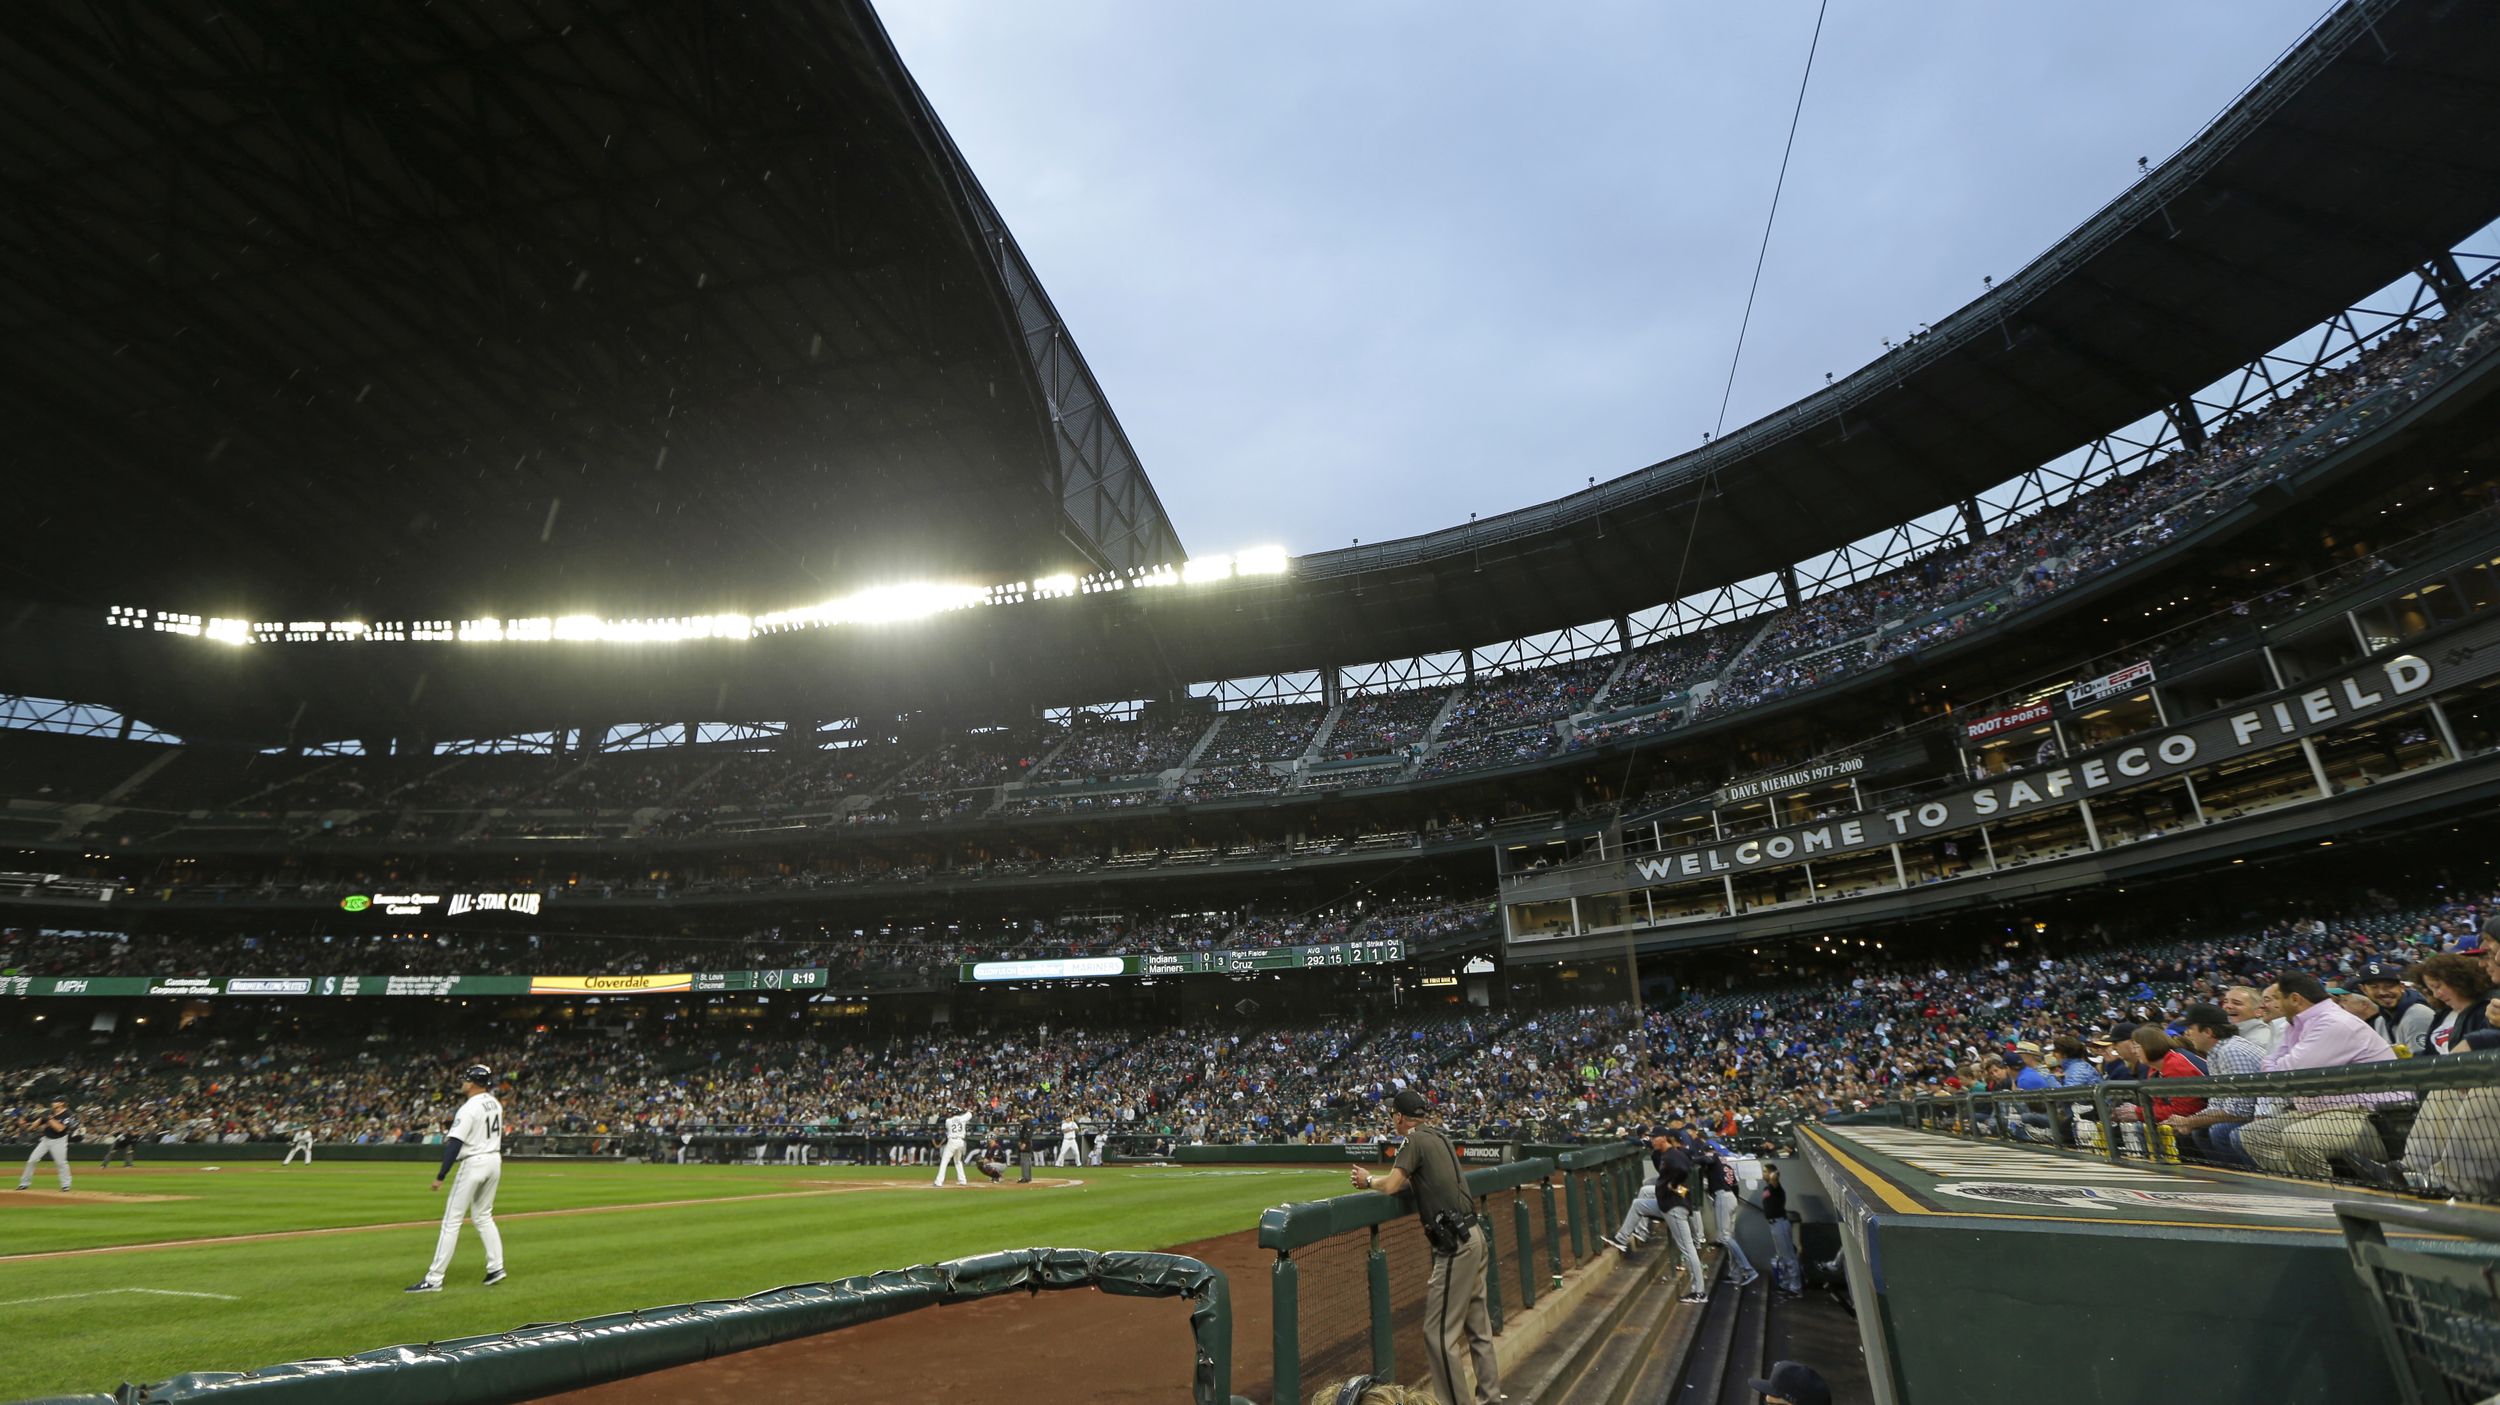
1108, 746
1527, 696
979, 760
1760, 680
1266, 732
1857, 1029
1384, 722
870, 954
1477, 751
1227, 782
1667, 668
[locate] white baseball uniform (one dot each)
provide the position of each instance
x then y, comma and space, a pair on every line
1070, 1154
1101, 1139
957, 1127
478, 1127
299, 1145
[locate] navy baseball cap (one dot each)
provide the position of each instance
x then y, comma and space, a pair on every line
2376, 972
2209, 1017
1799, 1385
477, 1073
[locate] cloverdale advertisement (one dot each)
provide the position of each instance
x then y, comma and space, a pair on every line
611, 985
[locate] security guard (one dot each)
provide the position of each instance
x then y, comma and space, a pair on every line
1456, 1321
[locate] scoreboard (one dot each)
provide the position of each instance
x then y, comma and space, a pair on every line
1233, 962
686, 982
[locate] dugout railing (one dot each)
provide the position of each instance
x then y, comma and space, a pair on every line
2426, 1126
547, 1358
2437, 1311
1350, 1271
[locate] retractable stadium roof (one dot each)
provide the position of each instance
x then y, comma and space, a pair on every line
408, 310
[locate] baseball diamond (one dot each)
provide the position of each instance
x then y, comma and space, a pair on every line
302, 1263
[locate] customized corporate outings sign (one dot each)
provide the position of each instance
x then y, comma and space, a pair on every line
2398, 681
697, 982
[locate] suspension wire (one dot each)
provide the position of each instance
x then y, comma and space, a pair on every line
1710, 482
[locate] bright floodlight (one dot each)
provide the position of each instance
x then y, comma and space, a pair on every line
889, 604
1261, 561
885, 604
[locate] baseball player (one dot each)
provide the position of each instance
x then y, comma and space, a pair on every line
51, 1139
125, 1145
298, 1145
993, 1162
1101, 1139
958, 1127
475, 1146
1070, 1153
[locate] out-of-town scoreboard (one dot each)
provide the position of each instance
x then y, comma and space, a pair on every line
1232, 962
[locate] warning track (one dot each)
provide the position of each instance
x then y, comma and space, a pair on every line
828, 1188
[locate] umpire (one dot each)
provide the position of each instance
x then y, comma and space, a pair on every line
1456, 1322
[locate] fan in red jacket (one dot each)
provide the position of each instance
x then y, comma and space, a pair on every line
2150, 1053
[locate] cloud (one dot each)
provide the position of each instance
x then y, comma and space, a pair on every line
1356, 271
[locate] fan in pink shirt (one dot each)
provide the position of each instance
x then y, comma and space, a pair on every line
2298, 1139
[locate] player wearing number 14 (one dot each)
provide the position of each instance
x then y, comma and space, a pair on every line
473, 1159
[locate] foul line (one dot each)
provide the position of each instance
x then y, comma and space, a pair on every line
437, 1220
108, 1292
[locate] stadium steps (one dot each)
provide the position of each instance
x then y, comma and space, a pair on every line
1730, 1344
1440, 718
139, 777
1205, 739
1737, 660
1633, 1326
1041, 763
1597, 700
1319, 738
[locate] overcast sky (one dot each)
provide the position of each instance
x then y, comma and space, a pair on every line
1357, 270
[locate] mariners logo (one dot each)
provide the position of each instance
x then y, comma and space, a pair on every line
2124, 1200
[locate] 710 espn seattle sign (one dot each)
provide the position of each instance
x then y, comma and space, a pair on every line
2303, 710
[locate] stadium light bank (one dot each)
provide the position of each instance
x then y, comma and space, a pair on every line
878, 605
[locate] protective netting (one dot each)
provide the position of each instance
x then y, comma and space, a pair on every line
2427, 1126
2448, 1330
1333, 1317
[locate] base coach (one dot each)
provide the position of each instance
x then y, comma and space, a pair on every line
1457, 1323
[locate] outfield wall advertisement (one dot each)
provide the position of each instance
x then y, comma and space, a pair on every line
696, 982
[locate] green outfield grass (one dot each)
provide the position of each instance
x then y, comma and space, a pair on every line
76, 1323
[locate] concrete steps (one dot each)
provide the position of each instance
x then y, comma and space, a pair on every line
1631, 1344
